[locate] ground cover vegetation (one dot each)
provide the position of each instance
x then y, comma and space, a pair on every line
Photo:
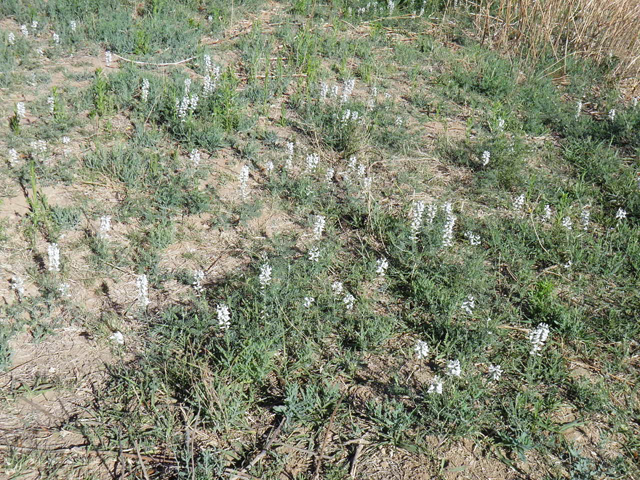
319, 240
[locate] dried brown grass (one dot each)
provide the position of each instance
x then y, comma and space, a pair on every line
593, 28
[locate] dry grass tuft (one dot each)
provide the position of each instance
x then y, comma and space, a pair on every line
593, 28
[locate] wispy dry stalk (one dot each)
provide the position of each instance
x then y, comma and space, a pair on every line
598, 29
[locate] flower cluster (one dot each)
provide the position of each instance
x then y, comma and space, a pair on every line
415, 215
382, 264
194, 157
585, 218
486, 156
21, 111
347, 90
453, 368
318, 227
474, 239
265, 275
421, 349
538, 337
469, 304
17, 285
145, 90
54, 257
105, 226
142, 283
244, 182
312, 163
211, 76
198, 278
518, 203
224, 316
447, 229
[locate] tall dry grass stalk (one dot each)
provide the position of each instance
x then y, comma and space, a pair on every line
593, 28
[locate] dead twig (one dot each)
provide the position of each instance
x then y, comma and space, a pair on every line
318, 460
354, 462
270, 439
137, 62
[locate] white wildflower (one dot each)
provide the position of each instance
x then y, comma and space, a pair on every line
501, 124
391, 5
65, 140
51, 101
421, 349
447, 229
547, 213
21, 111
224, 316
337, 288
63, 289
105, 226
308, 301
398, 122
328, 176
469, 304
585, 218
270, 166
107, 58
17, 284
612, 114
432, 210
453, 368
518, 203
495, 372
198, 278
568, 265
382, 264
244, 182
265, 275
289, 161
621, 214
436, 386
538, 337
54, 257
567, 223
145, 90
415, 215
324, 89
11, 38
318, 227
24, 30
73, 25
473, 238
117, 337
312, 162
13, 157
314, 254
39, 146
194, 157
578, 109
486, 156
348, 301
56, 38
142, 283
347, 89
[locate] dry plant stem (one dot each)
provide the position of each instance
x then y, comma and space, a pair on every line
154, 64
354, 463
318, 462
263, 452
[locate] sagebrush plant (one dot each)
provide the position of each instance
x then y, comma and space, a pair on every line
318, 231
